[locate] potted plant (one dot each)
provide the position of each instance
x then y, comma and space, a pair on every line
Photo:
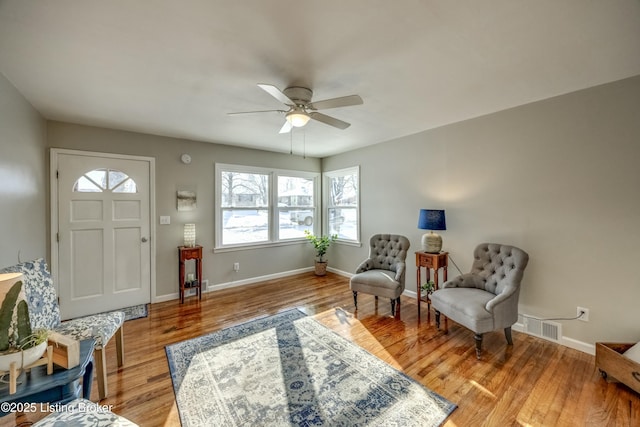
18, 343
321, 244
427, 289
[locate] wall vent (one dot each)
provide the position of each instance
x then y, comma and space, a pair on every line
551, 331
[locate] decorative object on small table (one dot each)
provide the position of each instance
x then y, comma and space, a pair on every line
189, 235
321, 244
432, 219
20, 347
66, 350
427, 288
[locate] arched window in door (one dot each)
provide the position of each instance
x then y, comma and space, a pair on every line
99, 180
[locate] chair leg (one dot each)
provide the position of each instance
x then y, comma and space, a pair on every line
507, 334
355, 299
101, 372
478, 338
393, 306
120, 346
437, 319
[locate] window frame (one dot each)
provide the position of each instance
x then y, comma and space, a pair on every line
99, 188
273, 238
326, 186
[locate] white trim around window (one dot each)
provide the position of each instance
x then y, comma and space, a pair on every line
257, 207
341, 204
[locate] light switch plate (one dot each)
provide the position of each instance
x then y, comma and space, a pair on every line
165, 220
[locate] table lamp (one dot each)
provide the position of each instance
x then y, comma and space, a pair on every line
189, 235
431, 219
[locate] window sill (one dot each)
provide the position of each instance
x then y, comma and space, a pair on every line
252, 246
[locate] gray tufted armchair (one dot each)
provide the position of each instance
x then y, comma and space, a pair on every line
382, 274
486, 299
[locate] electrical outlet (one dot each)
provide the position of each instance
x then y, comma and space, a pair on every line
165, 220
584, 312
236, 266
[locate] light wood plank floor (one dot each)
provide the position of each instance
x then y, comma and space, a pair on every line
533, 383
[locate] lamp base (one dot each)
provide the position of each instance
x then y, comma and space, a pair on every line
431, 243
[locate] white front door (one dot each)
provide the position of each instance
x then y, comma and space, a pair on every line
104, 250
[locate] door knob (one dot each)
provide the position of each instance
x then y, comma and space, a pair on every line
144, 239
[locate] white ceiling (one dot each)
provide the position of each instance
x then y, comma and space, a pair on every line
175, 68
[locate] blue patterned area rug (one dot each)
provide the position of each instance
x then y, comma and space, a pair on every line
136, 312
289, 369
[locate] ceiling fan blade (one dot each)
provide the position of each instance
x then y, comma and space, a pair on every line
276, 93
258, 111
286, 127
328, 120
344, 101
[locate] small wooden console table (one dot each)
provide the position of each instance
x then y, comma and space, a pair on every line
61, 387
430, 261
184, 254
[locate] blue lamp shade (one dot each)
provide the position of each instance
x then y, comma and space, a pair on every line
432, 219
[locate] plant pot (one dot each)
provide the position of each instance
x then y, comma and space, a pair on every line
321, 268
27, 356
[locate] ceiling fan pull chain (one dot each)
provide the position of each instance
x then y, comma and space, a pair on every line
291, 141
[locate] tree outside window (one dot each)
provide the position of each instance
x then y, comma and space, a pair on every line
259, 206
342, 203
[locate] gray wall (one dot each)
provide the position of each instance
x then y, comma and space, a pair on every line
171, 175
23, 183
558, 178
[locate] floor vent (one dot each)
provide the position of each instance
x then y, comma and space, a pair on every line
551, 331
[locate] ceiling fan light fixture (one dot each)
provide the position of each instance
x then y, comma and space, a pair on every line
298, 118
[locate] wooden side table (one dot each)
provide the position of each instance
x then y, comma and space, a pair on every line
430, 261
184, 254
61, 387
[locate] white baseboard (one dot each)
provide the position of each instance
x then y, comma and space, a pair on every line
340, 272
236, 283
564, 340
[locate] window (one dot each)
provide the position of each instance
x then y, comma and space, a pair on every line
296, 207
256, 206
245, 207
100, 180
342, 199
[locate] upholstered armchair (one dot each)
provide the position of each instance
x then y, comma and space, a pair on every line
382, 274
486, 299
44, 313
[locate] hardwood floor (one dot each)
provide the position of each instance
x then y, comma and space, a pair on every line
533, 383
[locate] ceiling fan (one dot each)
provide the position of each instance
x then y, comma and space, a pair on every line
301, 109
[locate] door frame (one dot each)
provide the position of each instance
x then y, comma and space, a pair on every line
53, 180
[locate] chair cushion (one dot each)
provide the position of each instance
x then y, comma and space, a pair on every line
82, 412
40, 294
376, 282
465, 306
101, 327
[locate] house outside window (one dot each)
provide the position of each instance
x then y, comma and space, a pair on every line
341, 195
260, 206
